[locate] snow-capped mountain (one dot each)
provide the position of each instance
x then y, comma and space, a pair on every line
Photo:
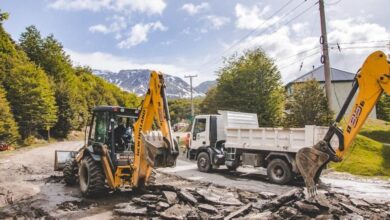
137, 81
205, 86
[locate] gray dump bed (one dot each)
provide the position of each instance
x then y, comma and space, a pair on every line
242, 132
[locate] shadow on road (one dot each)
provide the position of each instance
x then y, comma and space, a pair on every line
237, 175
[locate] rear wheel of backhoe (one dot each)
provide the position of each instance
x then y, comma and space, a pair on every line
70, 172
91, 177
279, 171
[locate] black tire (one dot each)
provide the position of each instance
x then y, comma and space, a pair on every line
204, 163
91, 177
279, 171
70, 172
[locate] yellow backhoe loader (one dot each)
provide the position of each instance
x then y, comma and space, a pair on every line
121, 149
371, 81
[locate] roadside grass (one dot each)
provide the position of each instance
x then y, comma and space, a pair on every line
378, 130
365, 157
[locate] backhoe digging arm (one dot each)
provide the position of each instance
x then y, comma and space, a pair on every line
153, 149
371, 81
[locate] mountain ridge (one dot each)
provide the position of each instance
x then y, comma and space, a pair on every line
137, 80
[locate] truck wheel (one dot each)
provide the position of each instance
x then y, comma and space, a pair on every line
279, 171
70, 172
204, 163
91, 177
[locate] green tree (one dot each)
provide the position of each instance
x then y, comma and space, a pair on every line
8, 127
249, 83
208, 104
29, 91
31, 97
307, 105
32, 44
3, 16
48, 53
180, 109
383, 108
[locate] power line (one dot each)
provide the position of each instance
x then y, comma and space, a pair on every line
297, 54
362, 47
253, 31
333, 3
361, 42
310, 55
191, 90
285, 23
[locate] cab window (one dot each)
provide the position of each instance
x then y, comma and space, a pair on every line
99, 127
200, 126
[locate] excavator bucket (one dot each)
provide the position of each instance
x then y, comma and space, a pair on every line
310, 162
158, 150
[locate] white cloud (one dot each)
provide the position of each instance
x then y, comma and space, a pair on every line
253, 17
146, 6
195, 9
100, 28
139, 34
186, 31
300, 27
358, 29
167, 43
217, 21
125, 6
92, 5
285, 45
107, 61
118, 23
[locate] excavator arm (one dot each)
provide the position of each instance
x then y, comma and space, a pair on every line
371, 81
153, 149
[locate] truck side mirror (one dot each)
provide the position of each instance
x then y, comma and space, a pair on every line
194, 136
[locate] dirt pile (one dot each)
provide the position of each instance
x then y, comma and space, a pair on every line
207, 201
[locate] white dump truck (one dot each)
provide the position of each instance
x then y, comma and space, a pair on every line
235, 138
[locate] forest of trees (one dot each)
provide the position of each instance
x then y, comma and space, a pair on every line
41, 91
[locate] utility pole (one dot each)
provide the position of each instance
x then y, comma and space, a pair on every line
325, 54
192, 100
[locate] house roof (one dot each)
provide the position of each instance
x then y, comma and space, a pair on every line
318, 74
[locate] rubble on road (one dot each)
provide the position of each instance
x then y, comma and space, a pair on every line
172, 197
185, 199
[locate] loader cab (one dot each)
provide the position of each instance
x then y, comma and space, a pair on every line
113, 126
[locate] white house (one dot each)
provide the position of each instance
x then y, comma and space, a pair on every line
341, 86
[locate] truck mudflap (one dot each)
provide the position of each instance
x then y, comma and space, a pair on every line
217, 156
61, 157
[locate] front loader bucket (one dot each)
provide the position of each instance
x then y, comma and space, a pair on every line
61, 157
157, 150
310, 163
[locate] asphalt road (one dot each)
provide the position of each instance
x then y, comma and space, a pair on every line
247, 178
255, 180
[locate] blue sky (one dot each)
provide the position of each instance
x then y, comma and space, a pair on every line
191, 37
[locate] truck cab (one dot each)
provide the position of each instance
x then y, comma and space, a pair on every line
207, 139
